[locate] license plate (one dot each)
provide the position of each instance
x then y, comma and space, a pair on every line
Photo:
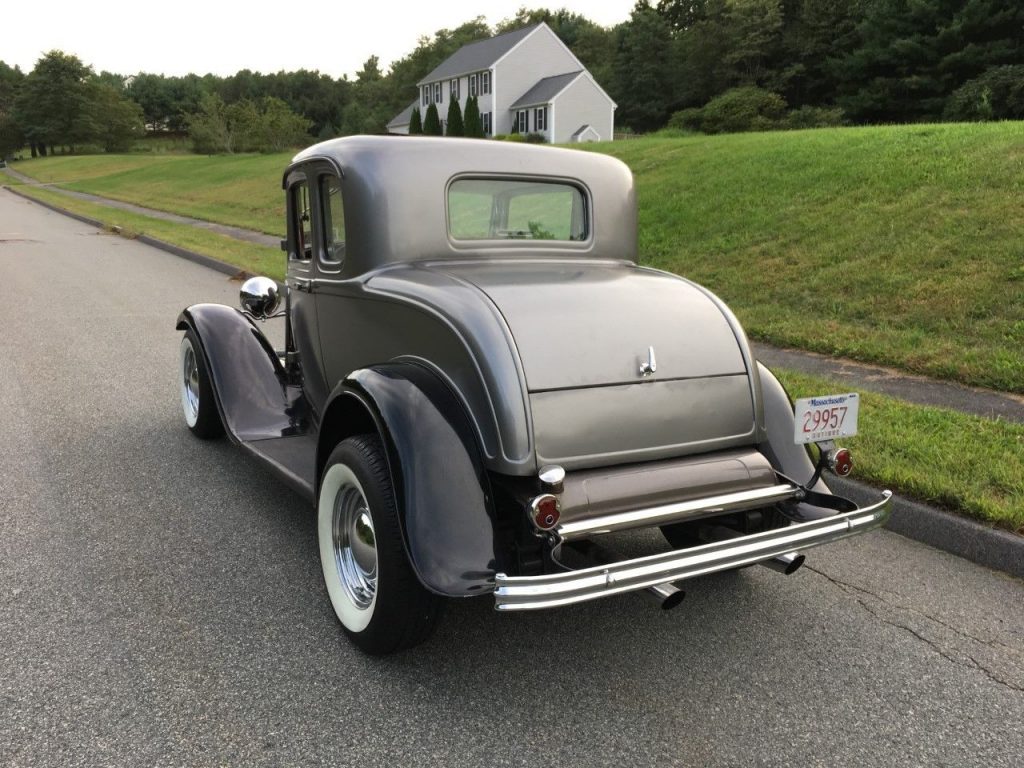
826, 417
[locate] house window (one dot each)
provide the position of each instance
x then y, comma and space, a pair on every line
472, 85
437, 93
453, 89
426, 95
485, 118
522, 121
540, 119
485, 82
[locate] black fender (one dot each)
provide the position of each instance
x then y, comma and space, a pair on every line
442, 488
249, 383
791, 459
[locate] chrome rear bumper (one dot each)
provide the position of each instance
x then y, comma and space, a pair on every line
521, 593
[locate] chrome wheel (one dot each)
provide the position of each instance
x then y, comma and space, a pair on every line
189, 382
355, 546
376, 595
198, 401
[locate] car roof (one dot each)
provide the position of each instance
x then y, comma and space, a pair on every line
395, 195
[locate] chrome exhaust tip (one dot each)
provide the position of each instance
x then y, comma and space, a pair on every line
666, 596
788, 563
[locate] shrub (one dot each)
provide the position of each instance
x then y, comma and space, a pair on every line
472, 124
747, 108
431, 122
687, 119
535, 138
415, 122
454, 127
996, 95
814, 117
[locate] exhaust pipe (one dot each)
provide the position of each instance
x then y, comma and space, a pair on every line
788, 563
666, 596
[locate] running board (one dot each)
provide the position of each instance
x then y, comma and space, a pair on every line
522, 593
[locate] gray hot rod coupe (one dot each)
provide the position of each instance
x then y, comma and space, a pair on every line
478, 384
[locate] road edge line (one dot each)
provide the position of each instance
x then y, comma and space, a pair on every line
207, 261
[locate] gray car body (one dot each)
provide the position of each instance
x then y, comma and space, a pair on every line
541, 340
480, 362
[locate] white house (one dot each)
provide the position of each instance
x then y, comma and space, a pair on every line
527, 78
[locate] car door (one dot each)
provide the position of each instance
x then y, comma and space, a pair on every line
301, 278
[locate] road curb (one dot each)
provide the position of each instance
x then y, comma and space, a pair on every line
951, 533
961, 536
207, 261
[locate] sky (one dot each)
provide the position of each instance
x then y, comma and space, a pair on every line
182, 36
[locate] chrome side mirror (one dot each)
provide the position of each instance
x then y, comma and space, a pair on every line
259, 297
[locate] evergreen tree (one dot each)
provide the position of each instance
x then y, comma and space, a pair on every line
643, 80
455, 126
416, 123
432, 123
472, 125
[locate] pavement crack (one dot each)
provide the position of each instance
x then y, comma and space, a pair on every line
968, 661
848, 587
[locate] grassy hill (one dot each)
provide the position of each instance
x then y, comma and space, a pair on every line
901, 245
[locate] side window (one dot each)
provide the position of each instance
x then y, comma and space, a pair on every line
302, 221
333, 214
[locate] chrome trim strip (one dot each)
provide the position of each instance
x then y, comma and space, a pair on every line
669, 513
521, 593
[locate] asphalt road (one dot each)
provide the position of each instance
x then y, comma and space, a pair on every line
161, 601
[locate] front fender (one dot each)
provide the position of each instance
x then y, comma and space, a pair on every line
248, 380
441, 486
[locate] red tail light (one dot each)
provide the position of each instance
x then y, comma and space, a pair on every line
841, 462
544, 511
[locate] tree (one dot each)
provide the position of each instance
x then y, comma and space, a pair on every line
280, 127
114, 120
996, 95
12, 137
642, 83
454, 126
53, 101
415, 122
472, 125
432, 123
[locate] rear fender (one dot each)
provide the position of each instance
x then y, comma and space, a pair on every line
788, 457
442, 489
248, 379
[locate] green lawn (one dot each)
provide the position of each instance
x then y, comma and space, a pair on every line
242, 190
898, 245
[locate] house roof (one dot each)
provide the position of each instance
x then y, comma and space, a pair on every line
546, 89
404, 117
479, 55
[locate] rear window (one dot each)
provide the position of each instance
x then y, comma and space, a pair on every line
506, 209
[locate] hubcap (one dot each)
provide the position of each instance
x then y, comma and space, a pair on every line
355, 546
190, 384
